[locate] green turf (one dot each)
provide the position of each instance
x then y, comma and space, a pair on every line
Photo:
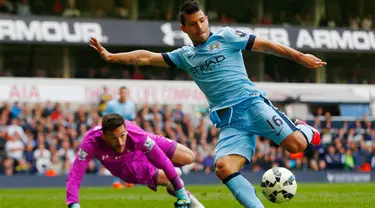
308, 196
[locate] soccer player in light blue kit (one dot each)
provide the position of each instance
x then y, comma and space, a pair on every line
122, 106
127, 110
237, 107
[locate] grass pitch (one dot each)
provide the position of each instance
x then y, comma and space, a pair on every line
308, 196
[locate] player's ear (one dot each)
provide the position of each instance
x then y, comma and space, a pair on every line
104, 135
183, 28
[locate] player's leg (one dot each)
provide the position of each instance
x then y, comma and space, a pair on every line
163, 181
233, 149
177, 153
298, 141
182, 156
273, 124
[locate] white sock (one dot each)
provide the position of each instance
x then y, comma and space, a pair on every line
194, 202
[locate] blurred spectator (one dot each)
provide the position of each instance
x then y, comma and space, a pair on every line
354, 22
333, 159
56, 165
15, 130
23, 8
28, 155
42, 157
14, 147
138, 74
283, 19
121, 9
367, 23
266, 20
123, 106
57, 7
323, 22
104, 98
66, 153
225, 19
169, 16
23, 167
99, 13
71, 10
6, 7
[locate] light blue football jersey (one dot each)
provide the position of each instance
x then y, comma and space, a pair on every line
126, 110
217, 67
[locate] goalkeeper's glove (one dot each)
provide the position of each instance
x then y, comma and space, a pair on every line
74, 205
183, 200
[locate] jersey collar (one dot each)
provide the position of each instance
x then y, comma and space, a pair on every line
205, 41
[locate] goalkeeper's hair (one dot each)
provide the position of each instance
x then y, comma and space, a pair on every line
111, 122
188, 7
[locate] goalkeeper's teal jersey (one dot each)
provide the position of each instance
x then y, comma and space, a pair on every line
217, 67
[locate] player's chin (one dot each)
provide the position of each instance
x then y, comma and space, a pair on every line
202, 36
120, 149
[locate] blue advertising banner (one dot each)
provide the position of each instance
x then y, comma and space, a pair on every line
191, 179
42, 30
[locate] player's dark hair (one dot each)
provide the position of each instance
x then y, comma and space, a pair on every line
188, 7
111, 122
123, 88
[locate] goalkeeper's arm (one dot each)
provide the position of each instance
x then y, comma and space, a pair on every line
75, 176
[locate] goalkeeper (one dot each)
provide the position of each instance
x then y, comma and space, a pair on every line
134, 156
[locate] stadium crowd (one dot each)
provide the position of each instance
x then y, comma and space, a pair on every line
43, 139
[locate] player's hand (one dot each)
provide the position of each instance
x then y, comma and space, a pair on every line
311, 61
182, 203
74, 205
94, 43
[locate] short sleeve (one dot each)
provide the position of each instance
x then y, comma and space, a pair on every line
238, 39
109, 108
139, 138
87, 149
173, 58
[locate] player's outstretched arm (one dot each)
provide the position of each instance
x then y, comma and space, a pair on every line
137, 57
278, 49
75, 176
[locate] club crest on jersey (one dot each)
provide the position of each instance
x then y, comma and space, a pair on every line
82, 154
214, 45
149, 144
240, 33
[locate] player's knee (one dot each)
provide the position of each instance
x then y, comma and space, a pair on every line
296, 148
222, 169
229, 164
295, 143
300, 145
190, 157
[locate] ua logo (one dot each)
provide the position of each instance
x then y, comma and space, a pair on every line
171, 35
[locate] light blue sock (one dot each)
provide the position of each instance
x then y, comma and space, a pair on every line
307, 131
243, 191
